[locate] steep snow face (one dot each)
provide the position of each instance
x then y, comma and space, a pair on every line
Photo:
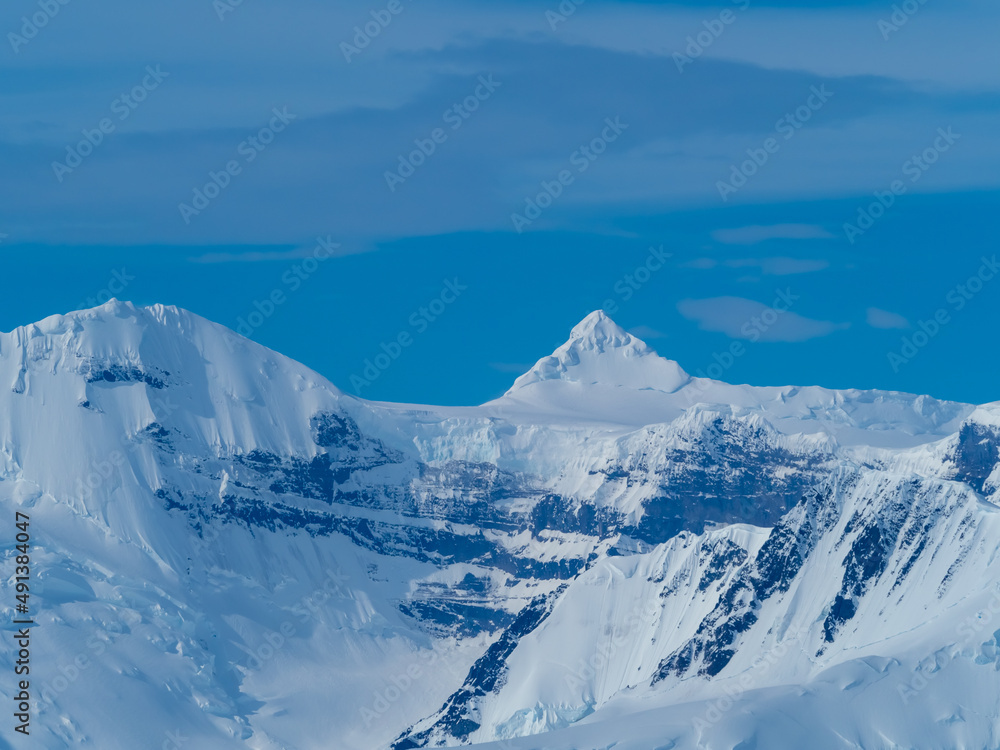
271, 563
869, 615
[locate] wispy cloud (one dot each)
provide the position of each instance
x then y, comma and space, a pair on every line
741, 318
755, 234
779, 266
884, 319
328, 172
646, 332
517, 368
268, 256
701, 264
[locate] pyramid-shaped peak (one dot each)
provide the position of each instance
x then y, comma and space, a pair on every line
597, 321
598, 332
600, 352
601, 331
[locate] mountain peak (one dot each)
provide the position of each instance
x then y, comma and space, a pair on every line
601, 331
600, 352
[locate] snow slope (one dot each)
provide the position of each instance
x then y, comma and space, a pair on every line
613, 554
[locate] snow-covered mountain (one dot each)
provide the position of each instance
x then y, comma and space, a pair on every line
232, 553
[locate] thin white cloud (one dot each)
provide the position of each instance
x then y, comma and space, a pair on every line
741, 318
265, 256
646, 332
255, 256
752, 235
813, 39
884, 319
702, 264
511, 367
779, 266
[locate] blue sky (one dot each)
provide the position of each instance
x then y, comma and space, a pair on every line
751, 142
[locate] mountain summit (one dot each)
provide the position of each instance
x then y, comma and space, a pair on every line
600, 352
597, 330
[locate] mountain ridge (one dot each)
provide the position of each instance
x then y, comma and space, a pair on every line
193, 493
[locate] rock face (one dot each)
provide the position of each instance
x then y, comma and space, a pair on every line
270, 562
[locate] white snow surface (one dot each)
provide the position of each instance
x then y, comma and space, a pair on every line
153, 626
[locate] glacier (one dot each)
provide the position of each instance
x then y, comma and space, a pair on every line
231, 552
